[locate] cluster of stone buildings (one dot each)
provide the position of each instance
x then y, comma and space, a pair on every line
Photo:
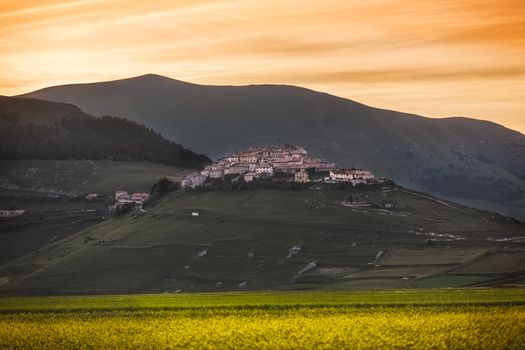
11, 213
136, 198
291, 163
351, 175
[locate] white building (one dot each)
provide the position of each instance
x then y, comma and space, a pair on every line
363, 175
11, 213
214, 166
139, 197
350, 174
248, 159
231, 159
186, 183
341, 175
121, 195
264, 169
236, 169
216, 174
193, 180
302, 176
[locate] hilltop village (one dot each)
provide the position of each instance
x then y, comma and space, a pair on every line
281, 163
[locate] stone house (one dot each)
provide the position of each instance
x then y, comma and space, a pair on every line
193, 180
216, 174
11, 213
302, 176
139, 197
121, 195
264, 168
350, 174
236, 169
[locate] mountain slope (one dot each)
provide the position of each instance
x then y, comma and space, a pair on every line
276, 239
32, 129
471, 161
18, 110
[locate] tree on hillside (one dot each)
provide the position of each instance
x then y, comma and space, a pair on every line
163, 186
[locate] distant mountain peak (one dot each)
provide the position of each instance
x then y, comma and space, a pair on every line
154, 77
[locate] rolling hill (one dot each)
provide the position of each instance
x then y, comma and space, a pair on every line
281, 240
474, 162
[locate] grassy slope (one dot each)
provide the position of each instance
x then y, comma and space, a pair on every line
103, 176
34, 183
247, 237
47, 220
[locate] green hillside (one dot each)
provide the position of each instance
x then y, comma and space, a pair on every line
51, 191
75, 176
280, 240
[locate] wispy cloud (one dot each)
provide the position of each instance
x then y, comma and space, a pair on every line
380, 51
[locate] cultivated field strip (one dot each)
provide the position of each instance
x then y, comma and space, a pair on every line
459, 319
262, 299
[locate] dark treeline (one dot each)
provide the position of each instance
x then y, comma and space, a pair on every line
93, 138
241, 185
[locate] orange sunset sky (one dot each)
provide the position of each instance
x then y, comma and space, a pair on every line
435, 58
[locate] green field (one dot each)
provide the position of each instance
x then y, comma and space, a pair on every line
439, 319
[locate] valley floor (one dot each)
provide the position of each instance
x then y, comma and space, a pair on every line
437, 319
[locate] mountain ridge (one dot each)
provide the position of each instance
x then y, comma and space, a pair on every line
159, 77
455, 157
31, 110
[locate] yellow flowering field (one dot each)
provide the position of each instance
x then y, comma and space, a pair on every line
243, 325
